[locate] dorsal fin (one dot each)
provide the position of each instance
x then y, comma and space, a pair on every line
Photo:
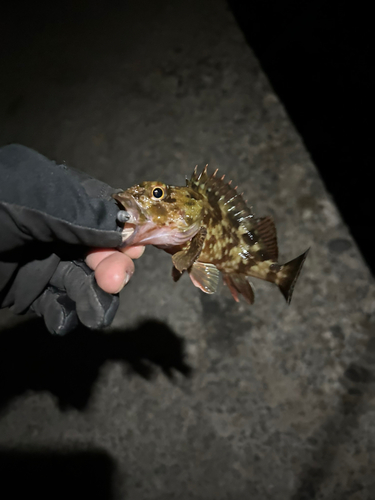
197, 179
265, 233
224, 196
227, 203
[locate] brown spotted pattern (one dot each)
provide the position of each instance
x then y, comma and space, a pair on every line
234, 241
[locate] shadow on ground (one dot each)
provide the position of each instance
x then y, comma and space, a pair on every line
59, 475
33, 359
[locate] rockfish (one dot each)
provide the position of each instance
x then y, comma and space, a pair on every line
207, 228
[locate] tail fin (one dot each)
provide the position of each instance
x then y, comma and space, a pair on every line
288, 275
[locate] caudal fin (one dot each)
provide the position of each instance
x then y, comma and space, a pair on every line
288, 275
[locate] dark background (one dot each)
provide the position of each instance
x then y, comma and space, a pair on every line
319, 58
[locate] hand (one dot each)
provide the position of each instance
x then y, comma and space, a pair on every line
50, 215
113, 268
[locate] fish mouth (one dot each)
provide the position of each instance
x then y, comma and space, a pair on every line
127, 231
139, 229
128, 216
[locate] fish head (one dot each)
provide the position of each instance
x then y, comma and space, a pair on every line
160, 214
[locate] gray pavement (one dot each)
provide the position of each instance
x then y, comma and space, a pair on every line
190, 396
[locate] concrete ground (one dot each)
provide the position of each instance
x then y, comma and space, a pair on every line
187, 396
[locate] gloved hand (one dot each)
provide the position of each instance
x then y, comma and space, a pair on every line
49, 217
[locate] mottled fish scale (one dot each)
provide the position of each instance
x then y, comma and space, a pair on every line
235, 241
207, 228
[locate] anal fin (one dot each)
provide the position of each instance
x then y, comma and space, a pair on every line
205, 276
238, 283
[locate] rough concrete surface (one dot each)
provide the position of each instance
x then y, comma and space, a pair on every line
189, 396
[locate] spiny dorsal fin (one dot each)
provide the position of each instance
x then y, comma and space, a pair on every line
197, 179
224, 196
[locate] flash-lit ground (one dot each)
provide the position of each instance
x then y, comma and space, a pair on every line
188, 396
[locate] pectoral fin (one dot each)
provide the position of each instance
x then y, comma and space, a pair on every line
205, 276
176, 275
237, 283
185, 258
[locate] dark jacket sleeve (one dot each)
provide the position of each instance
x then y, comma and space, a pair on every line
47, 212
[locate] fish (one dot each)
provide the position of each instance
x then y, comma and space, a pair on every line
209, 230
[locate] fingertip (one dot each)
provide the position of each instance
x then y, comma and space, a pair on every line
96, 255
114, 272
134, 252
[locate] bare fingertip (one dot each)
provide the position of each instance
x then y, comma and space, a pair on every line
134, 252
114, 272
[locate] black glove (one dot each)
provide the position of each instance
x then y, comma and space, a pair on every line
49, 216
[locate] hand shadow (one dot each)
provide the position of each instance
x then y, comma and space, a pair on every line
33, 359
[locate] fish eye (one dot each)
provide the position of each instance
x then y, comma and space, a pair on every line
158, 193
